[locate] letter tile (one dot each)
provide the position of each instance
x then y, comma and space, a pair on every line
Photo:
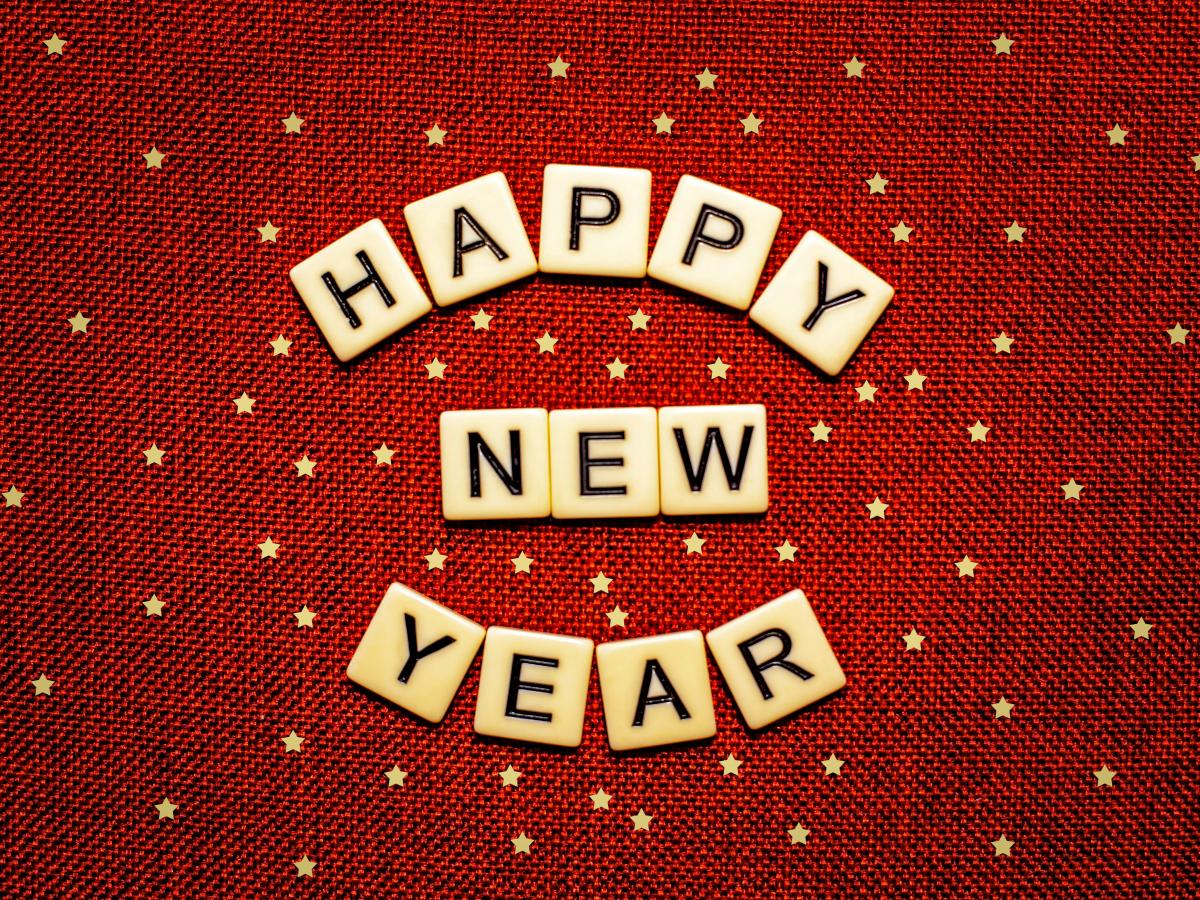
714, 242
495, 464
656, 690
595, 221
712, 459
360, 290
775, 659
470, 239
604, 463
533, 686
415, 652
821, 303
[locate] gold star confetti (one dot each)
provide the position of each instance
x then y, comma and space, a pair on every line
1104, 776
900, 232
1003, 343
1002, 708
244, 404
395, 776
708, 81
305, 617
558, 68
435, 136
383, 454
821, 432
481, 321
546, 343
876, 184
436, 368
154, 606
616, 617
42, 685
1003, 846
1195, 162
292, 742
695, 544
798, 834
304, 867
854, 68
751, 123
1071, 490
268, 549
1178, 334
1015, 233
304, 467
718, 369
1141, 629
280, 346
600, 583
154, 159
1116, 135
915, 380
833, 765
267, 233
79, 323
639, 321
966, 567
616, 368
978, 431
522, 563
436, 560
54, 45
912, 640
154, 456
787, 553
13, 497
877, 508
866, 392
600, 799
166, 809
521, 844
662, 125
1003, 44
641, 822
730, 765
291, 125
508, 778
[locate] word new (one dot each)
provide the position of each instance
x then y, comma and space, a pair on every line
595, 221
604, 463
655, 690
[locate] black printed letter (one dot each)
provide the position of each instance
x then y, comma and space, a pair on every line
586, 462
699, 237
733, 474
823, 303
780, 659
577, 217
516, 685
483, 239
343, 295
653, 668
415, 653
476, 446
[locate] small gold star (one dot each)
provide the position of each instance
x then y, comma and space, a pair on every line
1071, 490
268, 549
641, 822
521, 844
798, 834
978, 431
639, 321
291, 125
304, 467
708, 81
900, 232
1116, 135
1003, 709
966, 567
395, 776
854, 68
154, 606
915, 380
866, 392
877, 508
154, 159
616, 368
508, 778
912, 640
42, 686
600, 799
662, 125
750, 124
600, 583
877, 184
833, 765
1003, 846
821, 432
1178, 334
730, 765
292, 742
154, 456
54, 45
436, 368
616, 617
481, 321
1104, 776
558, 68
267, 233
304, 618
787, 553
695, 544
166, 809
79, 323
280, 346
1003, 44
1003, 343
435, 135
244, 404
521, 563
1141, 629
383, 454
718, 369
1015, 233
304, 867
546, 343
13, 497
1196, 162
436, 560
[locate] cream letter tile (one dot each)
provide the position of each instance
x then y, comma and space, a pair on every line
603, 463
712, 459
595, 221
495, 464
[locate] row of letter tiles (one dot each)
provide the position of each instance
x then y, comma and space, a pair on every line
595, 221
603, 463
655, 690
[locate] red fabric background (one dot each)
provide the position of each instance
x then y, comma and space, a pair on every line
184, 299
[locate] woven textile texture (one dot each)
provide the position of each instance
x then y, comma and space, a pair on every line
184, 296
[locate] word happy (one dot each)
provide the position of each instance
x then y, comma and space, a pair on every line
655, 690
